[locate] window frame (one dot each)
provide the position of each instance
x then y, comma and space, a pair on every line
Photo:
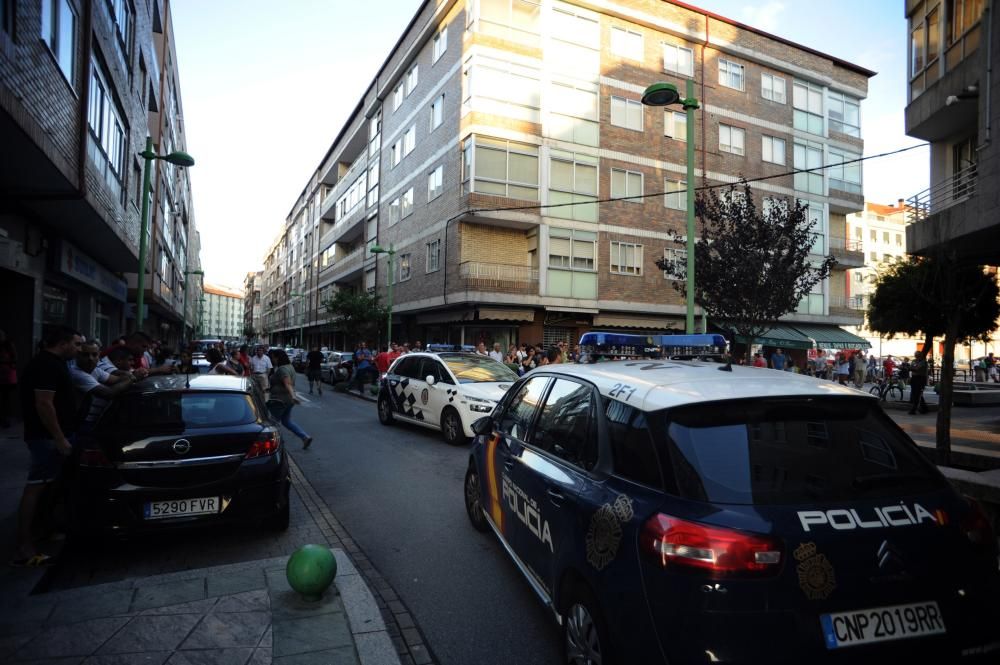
433, 252
732, 131
727, 74
436, 112
52, 33
677, 48
405, 260
625, 41
770, 89
625, 104
631, 270
671, 125
435, 189
764, 151
439, 44
571, 236
628, 178
680, 194
671, 254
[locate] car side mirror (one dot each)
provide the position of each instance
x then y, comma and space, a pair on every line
429, 380
483, 426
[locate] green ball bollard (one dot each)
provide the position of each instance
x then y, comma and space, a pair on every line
310, 571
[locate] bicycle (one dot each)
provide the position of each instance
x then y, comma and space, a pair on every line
887, 389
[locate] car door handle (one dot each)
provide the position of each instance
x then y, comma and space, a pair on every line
555, 497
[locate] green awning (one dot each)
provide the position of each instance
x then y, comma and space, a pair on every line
832, 337
784, 336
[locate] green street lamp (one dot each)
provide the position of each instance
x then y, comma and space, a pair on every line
302, 316
391, 253
665, 94
177, 158
185, 307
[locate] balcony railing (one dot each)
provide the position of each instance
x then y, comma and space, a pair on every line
849, 302
951, 191
844, 245
498, 275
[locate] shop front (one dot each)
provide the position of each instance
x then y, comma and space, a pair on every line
81, 293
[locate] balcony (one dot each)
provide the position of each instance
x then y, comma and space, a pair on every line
849, 253
349, 267
501, 277
848, 310
943, 195
328, 208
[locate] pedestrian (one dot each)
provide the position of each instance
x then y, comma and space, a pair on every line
418, 346
138, 344
496, 353
283, 390
48, 410
245, 359
918, 381
554, 356
260, 368
778, 359
481, 349
889, 366
8, 378
314, 359
992, 373
843, 369
872, 369
904, 371
362, 367
758, 360
95, 387
217, 363
859, 366
234, 362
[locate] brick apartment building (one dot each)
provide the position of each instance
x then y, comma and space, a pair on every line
82, 84
487, 111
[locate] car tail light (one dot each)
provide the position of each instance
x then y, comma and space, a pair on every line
976, 524
671, 542
95, 457
267, 443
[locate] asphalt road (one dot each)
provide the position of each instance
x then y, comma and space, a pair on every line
398, 491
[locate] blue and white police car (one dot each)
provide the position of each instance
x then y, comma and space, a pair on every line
682, 512
446, 391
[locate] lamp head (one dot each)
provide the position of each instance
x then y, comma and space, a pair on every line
180, 158
661, 94
376, 249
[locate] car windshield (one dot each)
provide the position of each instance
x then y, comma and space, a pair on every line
794, 451
175, 410
477, 369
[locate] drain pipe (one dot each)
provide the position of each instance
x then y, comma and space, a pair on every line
989, 72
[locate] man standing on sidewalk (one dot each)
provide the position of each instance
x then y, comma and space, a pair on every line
918, 381
260, 366
860, 367
47, 402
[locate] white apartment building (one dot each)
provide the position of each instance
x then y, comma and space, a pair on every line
222, 314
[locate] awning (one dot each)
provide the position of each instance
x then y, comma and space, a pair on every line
625, 321
454, 316
783, 336
491, 314
832, 337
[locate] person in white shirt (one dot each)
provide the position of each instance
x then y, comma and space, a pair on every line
496, 353
94, 384
261, 365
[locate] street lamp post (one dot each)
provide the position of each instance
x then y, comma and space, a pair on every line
665, 94
302, 316
391, 253
177, 158
184, 312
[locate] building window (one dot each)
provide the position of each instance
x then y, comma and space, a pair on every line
807, 99
873, 257
440, 44
573, 179
404, 267
372, 184
678, 60
395, 153
397, 97
845, 114
107, 130
773, 149
410, 82
406, 204
885, 237
513, 20
437, 112
845, 176
394, 212
626, 113
808, 156
573, 112
626, 258
962, 15
858, 233
435, 181
732, 139
626, 184
59, 27
772, 87
873, 235
675, 125
626, 43
731, 74
674, 261
899, 240
675, 194
122, 15
433, 256
409, 140
504, 168
572, 250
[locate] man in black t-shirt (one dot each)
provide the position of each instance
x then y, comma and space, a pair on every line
314, 359
49, 411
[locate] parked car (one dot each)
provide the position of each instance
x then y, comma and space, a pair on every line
667, 511
181, 450
338, 366
443, 391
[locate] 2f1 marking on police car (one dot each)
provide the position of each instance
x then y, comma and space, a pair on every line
621, 391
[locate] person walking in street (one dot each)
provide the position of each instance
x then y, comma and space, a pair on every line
8, 378
843, 369
283, 390
260, 368
48, 406
860, 367
918, 381
362, 367
313, 371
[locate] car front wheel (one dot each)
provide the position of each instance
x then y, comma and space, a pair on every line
384, 409
473, 500
585, 635
451, 427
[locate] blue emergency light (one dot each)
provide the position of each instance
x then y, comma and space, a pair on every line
653, 346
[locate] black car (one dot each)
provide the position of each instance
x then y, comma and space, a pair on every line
182, 450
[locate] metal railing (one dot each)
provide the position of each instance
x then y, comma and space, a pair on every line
844, 245
942, 195
491, 275
850, 302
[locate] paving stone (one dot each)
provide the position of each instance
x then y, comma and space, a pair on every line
277, 580
339, 656
32, 609
375, 649
152, 633
77, 639
194, 607
154, 658
267, 640
211, 657
170, 593
290, 605
327, 631
248, 601
364, 615
344, 564
237, 629
109, 604
261, 657
225, 585
420, 655
412, 636
71, 660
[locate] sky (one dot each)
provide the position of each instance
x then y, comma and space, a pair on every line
267, 86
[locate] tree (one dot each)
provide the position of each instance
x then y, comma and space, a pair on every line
249, 333
934, 296
752, 266
359, 315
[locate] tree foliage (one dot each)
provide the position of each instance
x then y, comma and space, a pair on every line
359, 315
752, 266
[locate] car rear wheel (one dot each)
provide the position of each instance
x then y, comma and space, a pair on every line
384, 409
473, 502
279, 521
585, 634
451, 427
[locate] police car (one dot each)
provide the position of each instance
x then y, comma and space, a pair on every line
445, 391
691, 512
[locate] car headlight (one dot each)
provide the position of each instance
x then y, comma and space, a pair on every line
480, 405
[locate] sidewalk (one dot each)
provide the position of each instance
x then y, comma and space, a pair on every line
242, 613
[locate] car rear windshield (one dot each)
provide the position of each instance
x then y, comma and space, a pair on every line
181, 410
476, 369
784, 452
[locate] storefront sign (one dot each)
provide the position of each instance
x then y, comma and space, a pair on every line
81, 267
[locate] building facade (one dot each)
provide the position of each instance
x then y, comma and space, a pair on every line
503, 155
251, 305
221, 314
82, 84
